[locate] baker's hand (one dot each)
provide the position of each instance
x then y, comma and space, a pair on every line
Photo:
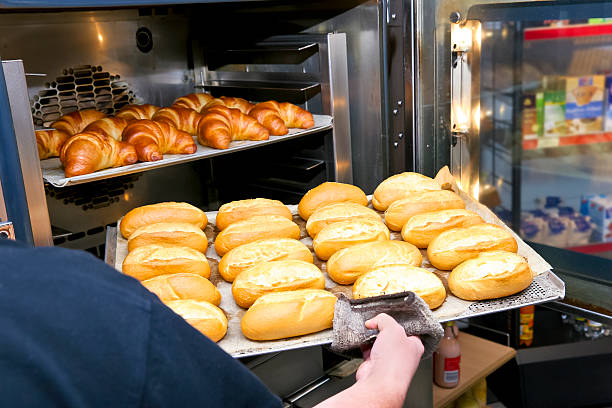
393, 358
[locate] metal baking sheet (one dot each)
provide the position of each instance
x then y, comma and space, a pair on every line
545, 288
53, 172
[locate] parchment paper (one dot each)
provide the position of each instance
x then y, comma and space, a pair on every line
237, 345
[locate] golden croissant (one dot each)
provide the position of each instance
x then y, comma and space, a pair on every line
152, 139
220, 125
137, 112
112, 127
195, 101
76, 122
278, 117
49, 142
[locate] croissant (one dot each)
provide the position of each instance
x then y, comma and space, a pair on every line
183, 119
87, 152
220, 125
112, 127
236, 103
49, 142
153, 139
195, 101
75, 122
137, 112
277, 117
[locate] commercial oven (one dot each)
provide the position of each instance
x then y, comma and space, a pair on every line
403, 84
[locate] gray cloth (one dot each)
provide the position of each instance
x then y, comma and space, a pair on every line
409, 310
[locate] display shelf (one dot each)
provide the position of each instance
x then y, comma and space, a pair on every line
594, 248
479, 358
568, 31
53, 172
548, 142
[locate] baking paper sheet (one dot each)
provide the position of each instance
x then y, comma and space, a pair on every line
237, 345
53, 172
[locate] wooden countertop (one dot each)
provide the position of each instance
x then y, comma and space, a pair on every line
479, 358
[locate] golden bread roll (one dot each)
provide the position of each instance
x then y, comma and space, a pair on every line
248, 255
275, 276
328, 214
420, 229
243, 209
149, 261
400, 211
287, 314
179, 286
253, 229
388, 279
327, 193
490, 275
344, 234
169, 234
205, 317
346, 265
162, 212
454, 246
401, 186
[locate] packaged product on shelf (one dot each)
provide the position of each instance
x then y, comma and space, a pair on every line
580, 231
557, 233
531, 231
531, 115
554, 107
584, 103
608, 98
600, 211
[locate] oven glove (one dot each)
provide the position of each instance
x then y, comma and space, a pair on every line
409, 310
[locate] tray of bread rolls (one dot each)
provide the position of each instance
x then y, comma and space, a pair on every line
53, 171
263, 284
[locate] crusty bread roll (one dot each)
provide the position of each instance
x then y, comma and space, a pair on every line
454, 246
420, 229
346, 265
243, 209
401, 186
149, 261
419, 202
253, 229
248, 255
330, 213
288, 314
162, 212
183, 286
490, 275
275, 276
169, 233
388, 279
344, 234
327, 193
205, 317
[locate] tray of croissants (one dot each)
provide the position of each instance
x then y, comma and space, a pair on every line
88, 145
260, 276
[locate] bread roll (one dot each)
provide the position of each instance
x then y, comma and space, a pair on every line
327, 193
162, 212
346, 265
420, 229
169, 234
328, 214
454, 246
205, 317
275, 276
253, 229
401, 186
149, 261
344, 234
246, 256
400, 211
243, 209
287, 314
183, 286
490, 275
389, 279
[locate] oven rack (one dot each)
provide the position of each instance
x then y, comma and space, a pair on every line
53, 172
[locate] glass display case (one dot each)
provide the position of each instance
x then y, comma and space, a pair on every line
518, 98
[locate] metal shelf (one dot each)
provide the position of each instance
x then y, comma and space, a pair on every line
294, 92
53, 172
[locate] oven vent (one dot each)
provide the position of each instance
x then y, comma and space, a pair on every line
81, 87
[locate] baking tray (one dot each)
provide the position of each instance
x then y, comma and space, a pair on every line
53, 172
545, 287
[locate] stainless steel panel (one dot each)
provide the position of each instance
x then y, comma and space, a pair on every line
360, 24
28, 152
339, 93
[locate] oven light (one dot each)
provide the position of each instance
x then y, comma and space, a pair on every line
459, 120
100, 38
461, 37
476, 190
476, 117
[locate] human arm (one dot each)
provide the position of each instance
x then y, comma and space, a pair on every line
384, 376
